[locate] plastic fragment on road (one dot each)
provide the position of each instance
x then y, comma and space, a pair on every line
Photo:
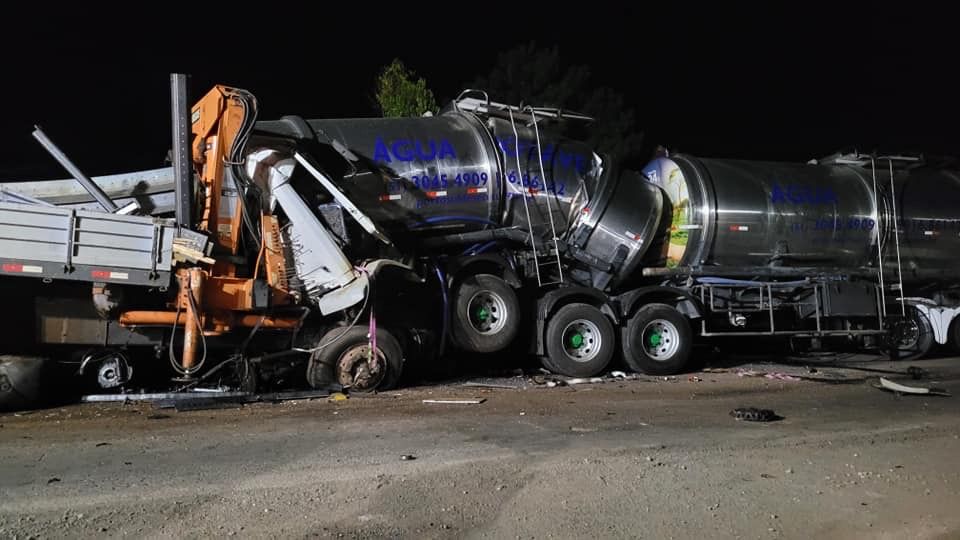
618, 375
337, 396
886, 384
456, 401
583, 380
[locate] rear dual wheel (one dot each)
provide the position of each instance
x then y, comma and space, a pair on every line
911, 337
657, 340
580, 341
486, 314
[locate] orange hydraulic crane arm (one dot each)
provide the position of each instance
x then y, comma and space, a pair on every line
221, 121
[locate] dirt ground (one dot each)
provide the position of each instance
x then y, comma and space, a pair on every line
646, 458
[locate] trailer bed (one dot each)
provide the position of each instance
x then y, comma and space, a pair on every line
80, 245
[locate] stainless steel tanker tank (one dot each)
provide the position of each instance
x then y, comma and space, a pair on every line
459, 172
731, 213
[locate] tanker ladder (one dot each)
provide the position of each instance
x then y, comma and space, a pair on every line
486, 107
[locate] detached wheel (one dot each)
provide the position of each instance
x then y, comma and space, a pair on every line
21, 382
910, 338
580, 341
657, 340
486, 314
348, 360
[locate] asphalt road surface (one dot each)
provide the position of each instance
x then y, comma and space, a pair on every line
647, 458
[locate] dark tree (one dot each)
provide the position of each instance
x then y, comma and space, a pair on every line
538, 76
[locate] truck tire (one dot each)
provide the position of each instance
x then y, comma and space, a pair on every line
580, 341
953, 337
21, 382
910, 338
657, 340
345, 360
486, 314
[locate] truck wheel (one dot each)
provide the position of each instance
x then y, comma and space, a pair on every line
910, 338
21, 379
657, 340
486, 314
954, 336
347, 361
580, 341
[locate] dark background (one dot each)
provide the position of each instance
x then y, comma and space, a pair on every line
745, 81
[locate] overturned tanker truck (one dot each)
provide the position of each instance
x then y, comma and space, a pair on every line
345, 251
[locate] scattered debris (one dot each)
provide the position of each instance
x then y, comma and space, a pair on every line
53, 480
583, 380
490, 385
694, 378
577, 429
781, 376
715, 370
337, 396
158, 416
618, 375
916, 373
99, 444
408, 457
456, 401
749, 373
752, 414
886, 384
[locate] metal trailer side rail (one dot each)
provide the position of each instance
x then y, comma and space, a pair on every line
78, 245
709, 302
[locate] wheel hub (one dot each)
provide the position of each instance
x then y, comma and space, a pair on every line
487, 312
582, 340
360, 370
662, 339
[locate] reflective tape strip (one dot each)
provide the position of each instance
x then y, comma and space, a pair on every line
476, 190
739, 228
24, 268
393, 197
435, 194
106, 274
929, 233
633, 236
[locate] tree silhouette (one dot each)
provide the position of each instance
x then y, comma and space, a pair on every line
538, 76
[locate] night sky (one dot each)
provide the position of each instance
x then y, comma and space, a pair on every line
749, 81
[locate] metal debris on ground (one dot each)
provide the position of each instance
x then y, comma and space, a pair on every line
511, 383
886, 384
753, 414
456, 401
776, 375
408, 457
203, 400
